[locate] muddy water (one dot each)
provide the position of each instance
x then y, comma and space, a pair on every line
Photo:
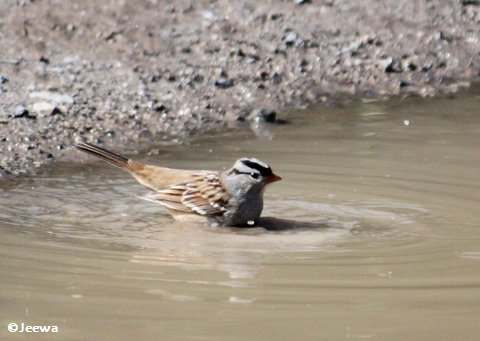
376, 236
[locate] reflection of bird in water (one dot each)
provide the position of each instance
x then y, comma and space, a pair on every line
233, 251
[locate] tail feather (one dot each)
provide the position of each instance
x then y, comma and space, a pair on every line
114, 159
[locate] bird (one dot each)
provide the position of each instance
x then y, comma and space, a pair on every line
223, 198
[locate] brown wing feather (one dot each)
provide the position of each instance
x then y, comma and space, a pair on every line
203, 195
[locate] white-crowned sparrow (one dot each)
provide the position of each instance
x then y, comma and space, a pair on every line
232, 198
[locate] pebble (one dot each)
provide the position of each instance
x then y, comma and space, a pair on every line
22, 112
4, 173
290, 38
391, 65
3, 79
43, 107
264, 115
224, 83
471, 2
51, 96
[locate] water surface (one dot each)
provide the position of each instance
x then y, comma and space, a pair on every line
383, 239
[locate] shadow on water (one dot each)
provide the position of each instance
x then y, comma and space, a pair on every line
278, 224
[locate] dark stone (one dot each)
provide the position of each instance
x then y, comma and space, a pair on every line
265, 115
392, 66
276, 78
22, 112
223, 73
412, 66
3, 79
442, 64
197, 78
224, 83
44, 60
427, 67
276, 16
155, 78
445, 37
301, 2
240, 53
264, 75
303, 65
470, 2
160, 108
56, 111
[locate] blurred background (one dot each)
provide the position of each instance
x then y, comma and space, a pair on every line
133, 72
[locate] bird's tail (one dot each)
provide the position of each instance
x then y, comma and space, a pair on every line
110, 157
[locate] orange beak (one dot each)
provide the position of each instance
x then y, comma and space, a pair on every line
273, 178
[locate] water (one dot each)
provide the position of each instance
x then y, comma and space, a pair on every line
377, 236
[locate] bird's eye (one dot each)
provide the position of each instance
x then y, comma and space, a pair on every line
254, 175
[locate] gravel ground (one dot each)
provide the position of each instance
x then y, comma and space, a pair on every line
130, 72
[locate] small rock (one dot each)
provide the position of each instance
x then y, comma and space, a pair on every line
160, 108
52, 97
56, 111
22, 112
301, 2
276, 78
222, 73
43, 107
427, 67
44, 60
470, 2
224, 83
353, 47
197, 78
391, 65
208, 15
3, 79
291, 38
263, 75
276, 16
4, 174
410, 66
264, 115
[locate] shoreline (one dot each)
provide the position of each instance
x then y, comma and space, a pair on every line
125, 74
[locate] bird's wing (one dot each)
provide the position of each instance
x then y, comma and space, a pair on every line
203, 194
